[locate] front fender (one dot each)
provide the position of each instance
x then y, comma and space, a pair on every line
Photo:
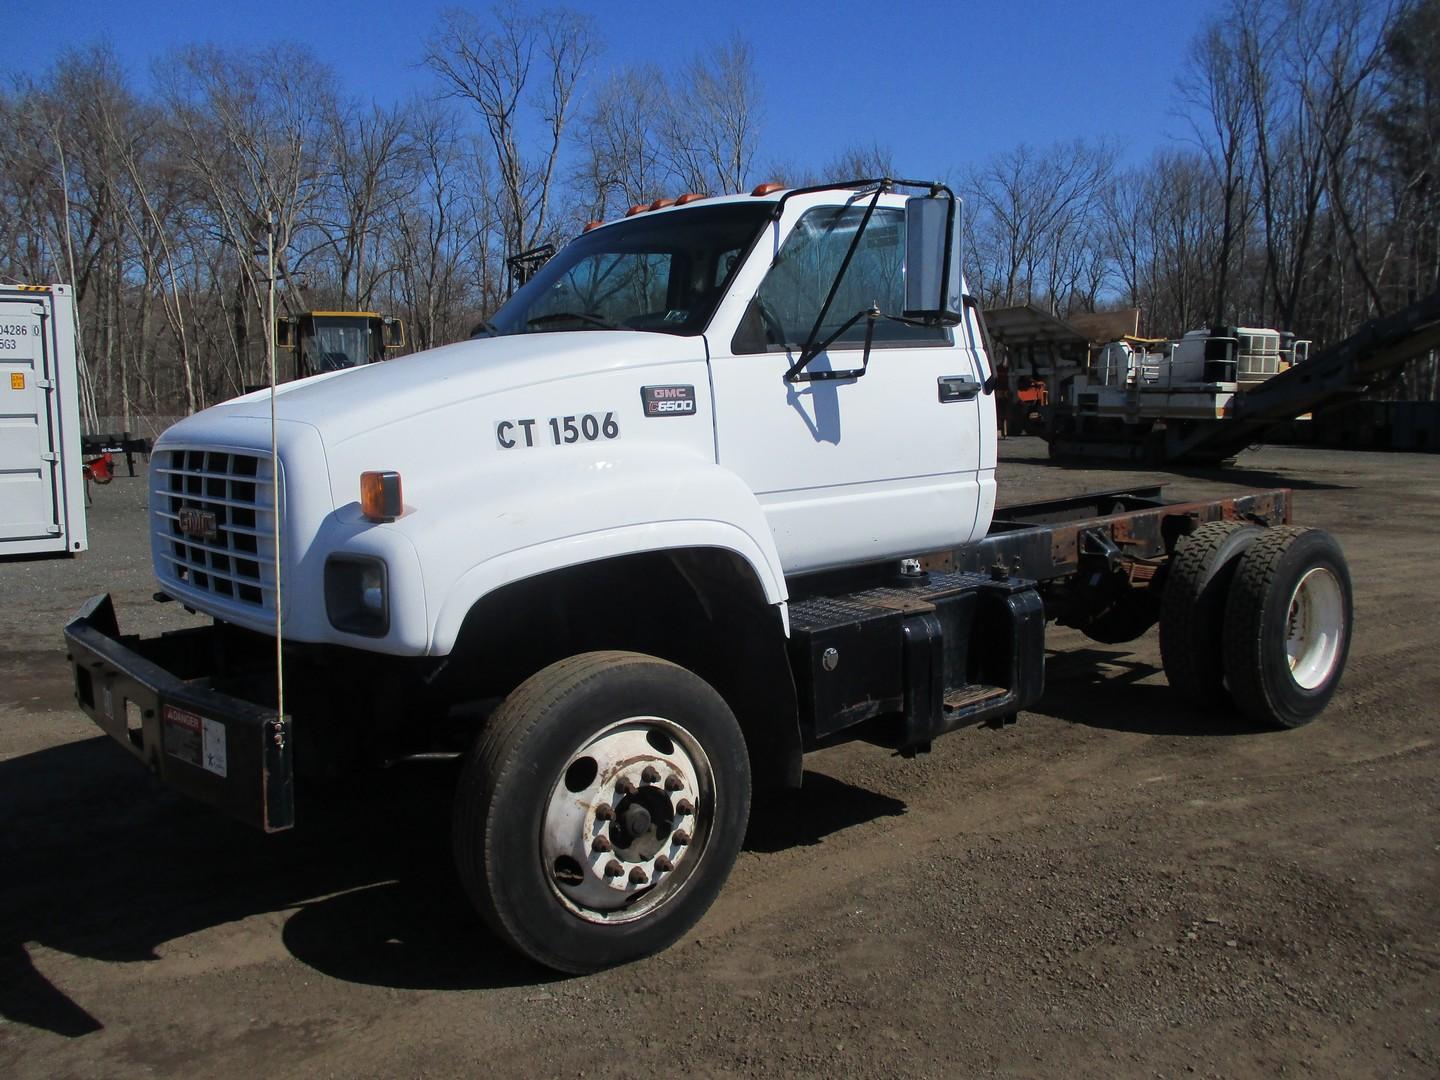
551, 519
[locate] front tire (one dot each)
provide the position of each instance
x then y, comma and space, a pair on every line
1288, 618
601, 809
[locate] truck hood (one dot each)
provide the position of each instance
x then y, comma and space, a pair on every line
343, 405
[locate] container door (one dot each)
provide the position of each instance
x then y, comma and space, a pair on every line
29, 456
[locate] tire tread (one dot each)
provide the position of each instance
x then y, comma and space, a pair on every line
526, 707
1189, 649
1244, 643
490, 768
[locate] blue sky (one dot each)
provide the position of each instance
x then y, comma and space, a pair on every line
944, 84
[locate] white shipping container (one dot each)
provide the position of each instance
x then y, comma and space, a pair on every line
42, 485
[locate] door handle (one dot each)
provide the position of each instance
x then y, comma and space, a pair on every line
958, 388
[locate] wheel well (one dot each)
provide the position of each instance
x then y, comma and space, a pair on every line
701, 608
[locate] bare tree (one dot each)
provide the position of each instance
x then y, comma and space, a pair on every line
712, 127
1214, 94
861, 161
1035, 210
439, 228
252, 128
623, 159
370, 172
1402, 241
519, 71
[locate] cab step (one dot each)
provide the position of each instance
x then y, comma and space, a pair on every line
918, 657
963, 697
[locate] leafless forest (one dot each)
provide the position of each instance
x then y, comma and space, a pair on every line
1305, 195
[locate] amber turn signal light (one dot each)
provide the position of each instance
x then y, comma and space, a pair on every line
380, 495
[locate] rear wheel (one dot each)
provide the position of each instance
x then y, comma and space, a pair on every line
1287, 626
1192, 610
601, 809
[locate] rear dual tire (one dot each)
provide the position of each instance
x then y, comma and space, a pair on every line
1257, 618
1192, 609
1287, 626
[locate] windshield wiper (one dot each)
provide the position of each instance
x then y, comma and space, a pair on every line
577, 316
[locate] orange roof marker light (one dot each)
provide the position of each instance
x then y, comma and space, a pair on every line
660, 204
638, 208
689, 197
768, 188
593, 225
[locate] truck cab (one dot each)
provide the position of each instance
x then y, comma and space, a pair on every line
734, 288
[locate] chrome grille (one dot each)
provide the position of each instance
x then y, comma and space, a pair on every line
215, 523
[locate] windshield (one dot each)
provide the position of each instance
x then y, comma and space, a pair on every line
662, 272
336, 343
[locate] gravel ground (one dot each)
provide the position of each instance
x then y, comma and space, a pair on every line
1115, 886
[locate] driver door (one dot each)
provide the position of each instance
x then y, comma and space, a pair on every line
868, 467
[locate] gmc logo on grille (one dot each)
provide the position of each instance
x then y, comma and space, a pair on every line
197, 523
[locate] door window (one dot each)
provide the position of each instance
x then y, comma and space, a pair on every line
790, 298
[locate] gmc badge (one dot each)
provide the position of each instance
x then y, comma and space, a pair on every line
668, 400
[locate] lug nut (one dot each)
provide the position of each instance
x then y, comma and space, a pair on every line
681, 837
673, 783
613, 868
625, 786
684, 806
663, 864
638, 876
649, 774
605, 812
601, 843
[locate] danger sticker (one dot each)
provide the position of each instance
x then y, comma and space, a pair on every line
195, 739
17, 380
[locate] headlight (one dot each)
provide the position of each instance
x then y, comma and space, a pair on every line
357, 596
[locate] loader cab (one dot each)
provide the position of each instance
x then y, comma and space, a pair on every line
334, 340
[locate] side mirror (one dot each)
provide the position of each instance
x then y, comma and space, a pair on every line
934, 259
394, 333
286, 333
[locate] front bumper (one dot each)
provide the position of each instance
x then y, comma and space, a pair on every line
153, 697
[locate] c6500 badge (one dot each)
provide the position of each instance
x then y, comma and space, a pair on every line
668, 400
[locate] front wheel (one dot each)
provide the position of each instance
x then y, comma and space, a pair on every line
601, 809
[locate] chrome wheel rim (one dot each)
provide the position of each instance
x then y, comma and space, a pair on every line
1314, 628
628, 819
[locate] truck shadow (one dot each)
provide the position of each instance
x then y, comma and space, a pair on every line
420, 932
822, 806
103, 863
1103, 688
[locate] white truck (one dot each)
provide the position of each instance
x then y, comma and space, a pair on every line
717, 489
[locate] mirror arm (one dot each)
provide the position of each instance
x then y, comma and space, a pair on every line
810, 350
796, 372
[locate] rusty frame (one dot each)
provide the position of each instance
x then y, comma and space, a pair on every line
1048, 550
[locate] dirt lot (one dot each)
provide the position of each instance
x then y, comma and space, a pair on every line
1113, 886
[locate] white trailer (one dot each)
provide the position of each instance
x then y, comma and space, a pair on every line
42, 489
